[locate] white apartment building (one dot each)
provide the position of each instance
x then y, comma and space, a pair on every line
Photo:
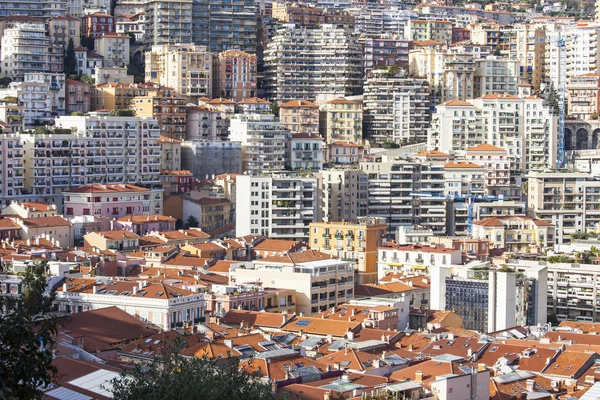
114, 48
168, 22
305, 152
496, 75
80, 8
42, 95
303, 63
90, 149
33, 8
320, 282
184, 67
344, 194
264, 142
490, 300
277, 206
497, 177
568, 200
457, 125
581, 41
11, 173
413, 259
24, 49
407, 193
156, 303
396, 107
572, 290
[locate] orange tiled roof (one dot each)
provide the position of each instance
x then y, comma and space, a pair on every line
462, 164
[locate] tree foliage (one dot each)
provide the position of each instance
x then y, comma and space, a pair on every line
553, 99
122, 112
192, 222
26, 337
87, 79
70, 60
558, 259
190, 378
275, 108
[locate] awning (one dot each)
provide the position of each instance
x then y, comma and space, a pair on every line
420, 267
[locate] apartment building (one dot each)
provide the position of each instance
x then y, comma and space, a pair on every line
104, 75
264, 142
305, 63
412, 259
572, 289
280, 206
515, 233
234, 75
420, 30
78, 97
341, 120
583, 93
24, 49
170, 153
114, 49
300, 116
396, 107
202, 124
498, 176
392, 20
112, 201
457, 125
97, 24
344, 194
530, 44
253, 105
490, 300
92, 149
401, 191
33, 8
12, 174
305, 152
80, 8
355, 242
12, 115
62, 29
568, 200
87, 62
184, 67
320, 282
496, 75
155, 302
384, 50
168, 22
168, 110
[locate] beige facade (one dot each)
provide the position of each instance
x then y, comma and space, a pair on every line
422, 30
515, 233
234, 75
168, 110
170, 154
584, 96
55, 229
114, 48
62, 29
280, 300
186, 68
341, 120
356, 243
300, 116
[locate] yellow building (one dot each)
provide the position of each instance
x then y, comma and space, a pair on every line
515, 232
340, 120
300, 116
354, 242
112, 96
280, 300
422, 30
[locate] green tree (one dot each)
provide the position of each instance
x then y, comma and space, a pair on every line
122, 112
26, 337
190, 378
87, 79
192, 222
70, 60
553, 99
275, 108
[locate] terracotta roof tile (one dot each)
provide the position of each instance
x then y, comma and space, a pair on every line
146, 219
462, 164
319, 326
486, 147
41, 222
299, 103
255, 318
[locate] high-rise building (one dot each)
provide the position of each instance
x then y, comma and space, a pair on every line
277, 206
396, 107
264, 142
114, 49
206, 158
168, 22
341, 120
300, 116
234, 75
168, 110
186, 68
24, 49
496, 75
583, 93
303, 63
62, 29
33, 8
344, 194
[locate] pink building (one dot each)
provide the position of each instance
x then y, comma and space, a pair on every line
110, 201
145, 224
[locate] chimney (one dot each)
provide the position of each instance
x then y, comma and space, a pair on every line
350, 335
376, 363
322, 316
65, 287
419, 376
530, 385
95, 289
382, 337
411, 347
353, 312
383, 355
141, 285
481, 367
469, 352
28, 242
451, 336
284, 319
590, 379
228, 343
336, 366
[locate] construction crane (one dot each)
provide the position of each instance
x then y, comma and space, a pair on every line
562, 89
